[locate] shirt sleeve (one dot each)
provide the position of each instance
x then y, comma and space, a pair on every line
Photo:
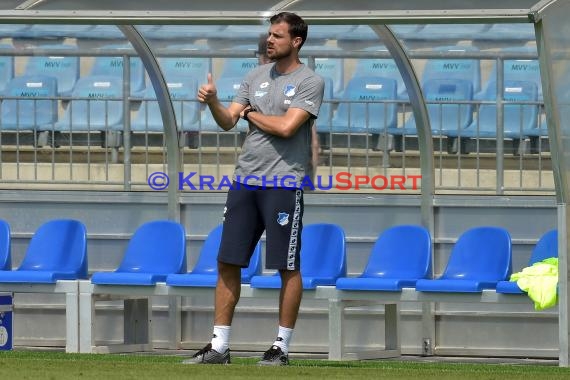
242, 95
310, 95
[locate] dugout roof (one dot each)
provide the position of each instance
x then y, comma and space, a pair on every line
173, 11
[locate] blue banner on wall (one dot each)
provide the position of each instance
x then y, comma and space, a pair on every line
6, 322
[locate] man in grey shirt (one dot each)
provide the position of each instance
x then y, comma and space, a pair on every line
280, 101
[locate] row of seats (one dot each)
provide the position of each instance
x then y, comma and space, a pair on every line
154, 263
370, 103
372, 98
31, 104
369, 107
67, 68
465, 117
453, 110
58, 251
477, 271
401, 257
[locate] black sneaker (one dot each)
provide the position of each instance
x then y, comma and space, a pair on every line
207, 355
274, 356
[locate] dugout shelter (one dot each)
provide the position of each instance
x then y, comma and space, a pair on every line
389, 22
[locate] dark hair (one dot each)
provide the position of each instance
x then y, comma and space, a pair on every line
297, 26
262, 44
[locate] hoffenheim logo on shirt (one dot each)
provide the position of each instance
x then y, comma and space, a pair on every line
289, 90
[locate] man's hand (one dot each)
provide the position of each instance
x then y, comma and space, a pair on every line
208, 92
244, 112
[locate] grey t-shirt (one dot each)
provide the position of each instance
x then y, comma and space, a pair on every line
269, 160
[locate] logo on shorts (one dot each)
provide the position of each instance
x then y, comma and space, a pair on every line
283, 218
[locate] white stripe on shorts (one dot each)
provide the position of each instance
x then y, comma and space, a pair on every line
294, 238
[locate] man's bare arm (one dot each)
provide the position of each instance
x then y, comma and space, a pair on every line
226, 118
283, 126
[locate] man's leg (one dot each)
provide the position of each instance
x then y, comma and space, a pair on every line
289, 302
226, 298
227, 293
283, 212
290, 297
241, 232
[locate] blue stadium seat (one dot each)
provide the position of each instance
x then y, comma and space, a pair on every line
401, 255
238, 67
481, 257
196, 68
539, 138
522, 69
97, 105
57, 251
6, 66
187, 109
546, 247
453, 68
205, 272
64, 68
435, 68
113, 66
227, 88
156, 249
381, 67
323, 258
368, 106
541, 131
518, 119
327, 67
444, 117
326, 111
5, 246
27, 105
537, 134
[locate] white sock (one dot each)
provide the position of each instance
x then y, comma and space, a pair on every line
283, 338
221, 338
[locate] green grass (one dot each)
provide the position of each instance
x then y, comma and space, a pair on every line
61, 366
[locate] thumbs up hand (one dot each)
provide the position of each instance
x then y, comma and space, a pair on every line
207, 92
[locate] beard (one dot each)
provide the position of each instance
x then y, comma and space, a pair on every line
275, 55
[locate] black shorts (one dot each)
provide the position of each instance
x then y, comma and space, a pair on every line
249, 212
